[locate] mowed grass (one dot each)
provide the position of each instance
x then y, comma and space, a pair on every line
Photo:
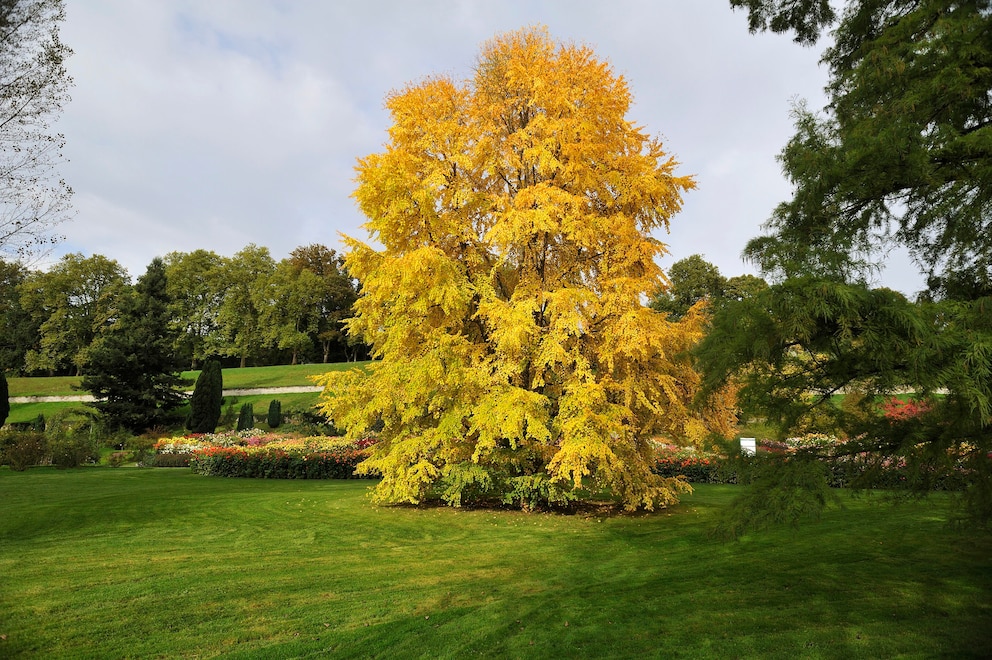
234, 379
28, 412
100, 562
239, 378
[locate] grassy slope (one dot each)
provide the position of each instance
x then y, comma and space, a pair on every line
161, 563
249, 377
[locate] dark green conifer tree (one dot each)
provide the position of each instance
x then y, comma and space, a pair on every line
133, 371
274, 418
207, 400
4, 398
246, 418
900, 156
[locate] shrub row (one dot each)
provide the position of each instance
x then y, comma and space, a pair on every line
843, 474
22, 449
274, 463
696, 470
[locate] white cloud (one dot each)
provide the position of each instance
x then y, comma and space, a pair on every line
214, 124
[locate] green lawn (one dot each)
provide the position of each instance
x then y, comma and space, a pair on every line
278, 376
28, 412
234, 379
99, 562
249, 377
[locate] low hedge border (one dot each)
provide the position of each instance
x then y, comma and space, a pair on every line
843, 474
277, 463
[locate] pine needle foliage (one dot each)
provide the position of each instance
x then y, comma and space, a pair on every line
518, 362
133, 370
901, 155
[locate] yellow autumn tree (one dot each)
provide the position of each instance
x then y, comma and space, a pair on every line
518, 361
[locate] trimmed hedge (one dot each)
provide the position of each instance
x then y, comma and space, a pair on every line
272, 463
843, 474
695, 470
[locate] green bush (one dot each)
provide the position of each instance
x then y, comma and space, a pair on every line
69, 451
207, 399
276, 463
311, 422
246, 419
22, 449
72, 438
274, 418
167, 460
695, 470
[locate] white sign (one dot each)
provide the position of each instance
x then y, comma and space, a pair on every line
749, 447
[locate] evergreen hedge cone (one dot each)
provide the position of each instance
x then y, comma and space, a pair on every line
207, 400
274, 418
246, 418
4, 399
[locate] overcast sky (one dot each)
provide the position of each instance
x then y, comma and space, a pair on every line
215, 124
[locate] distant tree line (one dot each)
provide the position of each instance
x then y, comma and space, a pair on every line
247, 309
693, 279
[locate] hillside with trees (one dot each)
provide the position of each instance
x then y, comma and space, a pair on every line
246, 309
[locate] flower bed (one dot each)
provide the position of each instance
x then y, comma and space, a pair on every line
276, 463
255, 454
694, 465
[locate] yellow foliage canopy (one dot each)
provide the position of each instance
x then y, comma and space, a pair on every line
518, 360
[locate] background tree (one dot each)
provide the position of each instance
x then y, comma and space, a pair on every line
239, 315
133, 370
902, 155
693, 279
18, 329
338, 294
207, 400
34, 87
743, 287
518, 362
70, 302
690, 280
196, 291
288, 302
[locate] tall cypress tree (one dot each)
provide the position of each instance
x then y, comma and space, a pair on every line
207, 400
133, 370
4, 398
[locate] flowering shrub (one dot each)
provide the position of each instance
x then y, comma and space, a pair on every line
811, 441
270, 462
694, 465
254, 453
693, 470
168, 460
897, 410
773, 446
183, 445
